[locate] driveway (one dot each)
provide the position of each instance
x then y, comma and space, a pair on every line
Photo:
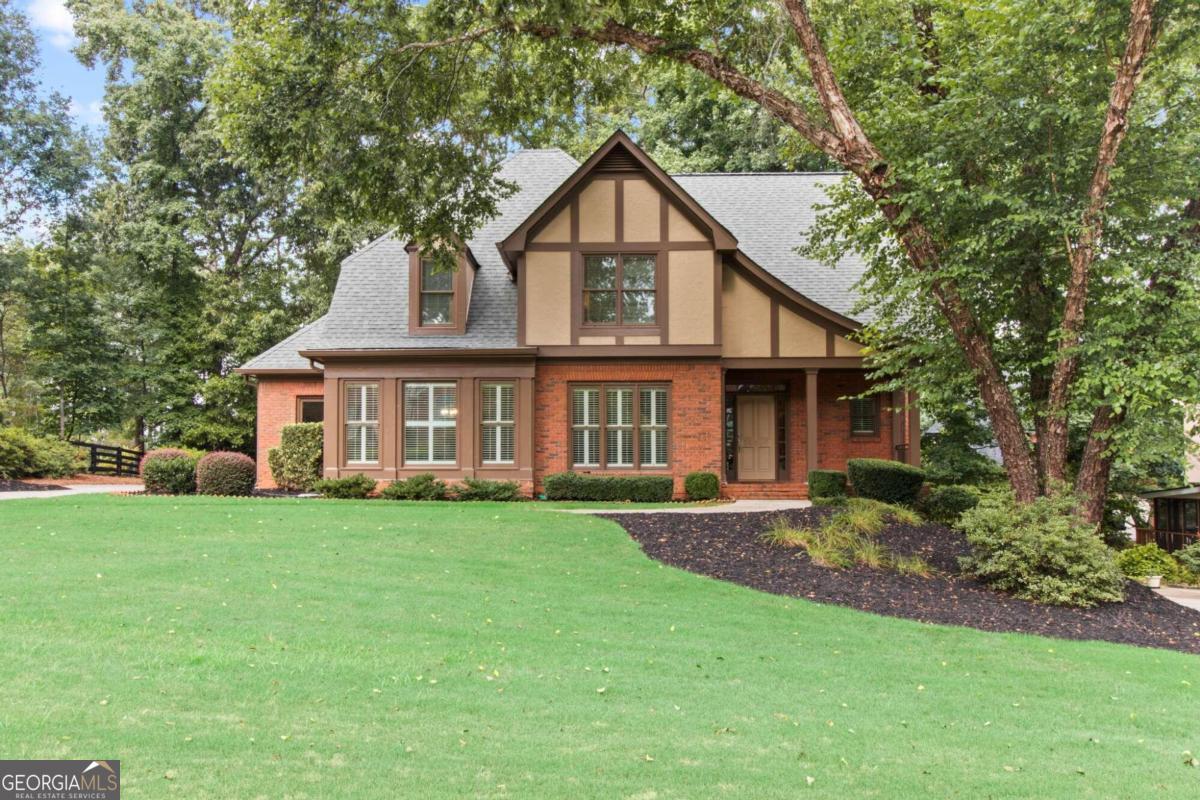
1185, 597
82, 488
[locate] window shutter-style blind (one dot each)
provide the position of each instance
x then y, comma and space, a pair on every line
497, 424
863, 418
362, 422
430, 423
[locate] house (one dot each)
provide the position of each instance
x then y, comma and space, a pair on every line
1174, 518
610, 319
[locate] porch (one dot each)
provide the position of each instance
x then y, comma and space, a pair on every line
768, 416
1174, 518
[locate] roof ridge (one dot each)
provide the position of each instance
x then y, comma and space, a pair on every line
752, 173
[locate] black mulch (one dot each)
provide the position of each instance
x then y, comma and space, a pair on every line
22, 486
727, 546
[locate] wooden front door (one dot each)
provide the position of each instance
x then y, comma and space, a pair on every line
756, 437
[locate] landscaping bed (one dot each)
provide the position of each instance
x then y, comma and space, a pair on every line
729, 547
27, 485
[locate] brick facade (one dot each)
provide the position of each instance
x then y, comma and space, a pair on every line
277, 407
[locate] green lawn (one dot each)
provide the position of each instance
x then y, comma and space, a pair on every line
305, 649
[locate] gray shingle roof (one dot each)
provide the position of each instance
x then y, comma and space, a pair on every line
767, 212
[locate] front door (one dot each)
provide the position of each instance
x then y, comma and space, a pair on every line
756, 437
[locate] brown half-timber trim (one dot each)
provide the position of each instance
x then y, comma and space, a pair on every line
630, 351
830, 344
616, 247
774, 327
809, 309
603, 387
845, 362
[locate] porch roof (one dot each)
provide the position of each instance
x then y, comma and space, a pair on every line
1182, 492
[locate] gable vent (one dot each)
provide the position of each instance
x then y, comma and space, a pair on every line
618, 160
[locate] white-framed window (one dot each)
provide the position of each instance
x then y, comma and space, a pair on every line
585, 427
497, 420
430, 423
652, 427
618, 430
362, 423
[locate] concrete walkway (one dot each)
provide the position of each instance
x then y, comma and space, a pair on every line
79, 488
736, 507
1185, 597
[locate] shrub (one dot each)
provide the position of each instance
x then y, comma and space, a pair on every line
889, 481
351, 487
702, 486
169, 471
824, 483
1146, 560
225, 473
482, 489
24, 455
1040, 551
946, 504
847, 537
296, 463
1189, 557
425, 486
639, 488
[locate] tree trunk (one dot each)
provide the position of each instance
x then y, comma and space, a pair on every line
1092, 482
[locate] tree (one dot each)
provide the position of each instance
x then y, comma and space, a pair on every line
993, 152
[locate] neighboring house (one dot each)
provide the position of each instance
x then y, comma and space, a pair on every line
610, 319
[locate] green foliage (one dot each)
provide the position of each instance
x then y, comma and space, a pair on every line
887, 481
225, 473
1146, 560
826, 483
424, 486
950, 455
1040, 551
1189, 558
601, 488
169, 471
351, 487
847, 537
702, 486
482, 489
296, 463
945, 504
24, 455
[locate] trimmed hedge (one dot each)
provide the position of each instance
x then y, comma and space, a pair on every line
887, 481
24, 455
226, 473
633, 488
701, 486
352, 487
296, 463
826, 483
483, 489
945, 504
425, 486
169, 470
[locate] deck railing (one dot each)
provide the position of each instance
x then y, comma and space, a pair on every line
1167, 540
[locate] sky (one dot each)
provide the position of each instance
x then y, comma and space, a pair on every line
60, 70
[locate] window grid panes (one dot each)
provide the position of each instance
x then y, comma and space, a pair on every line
497, 421
619, 289
436, 295
633, 427
362, 423
863, 419
430, 423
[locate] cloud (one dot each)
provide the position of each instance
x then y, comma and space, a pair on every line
90, 114
52, 17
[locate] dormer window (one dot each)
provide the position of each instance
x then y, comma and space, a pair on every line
619, 289
436, 295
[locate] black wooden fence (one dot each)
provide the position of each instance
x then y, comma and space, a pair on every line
107, 459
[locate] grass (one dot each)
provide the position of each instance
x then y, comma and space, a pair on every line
847, 536
288, 648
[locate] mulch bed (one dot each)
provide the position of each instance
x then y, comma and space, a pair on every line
728, 547
25, 486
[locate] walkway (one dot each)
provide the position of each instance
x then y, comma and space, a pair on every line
736, 507
1185, 597
80, 488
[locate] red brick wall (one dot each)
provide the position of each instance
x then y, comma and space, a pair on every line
696, 410
276, 408
837, 446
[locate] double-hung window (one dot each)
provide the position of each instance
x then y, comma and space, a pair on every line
436, 295
497, 422
430, 423
362, 423
631, 433
864, 416
619, 289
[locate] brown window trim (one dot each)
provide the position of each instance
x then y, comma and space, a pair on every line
345, 423
603, 388
463, 279
482, 425
308, 398
402, 424
878, 431
620, 326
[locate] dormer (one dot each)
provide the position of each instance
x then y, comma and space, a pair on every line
439, 298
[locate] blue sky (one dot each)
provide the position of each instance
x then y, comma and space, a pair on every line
60, 70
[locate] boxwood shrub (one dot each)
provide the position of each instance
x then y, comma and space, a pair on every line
888, 481
169, 470
826, 483
945, 504
225, 473
351, 487
702, 486
1149, 559
483, 489
634, 488
296, 463
424, 486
